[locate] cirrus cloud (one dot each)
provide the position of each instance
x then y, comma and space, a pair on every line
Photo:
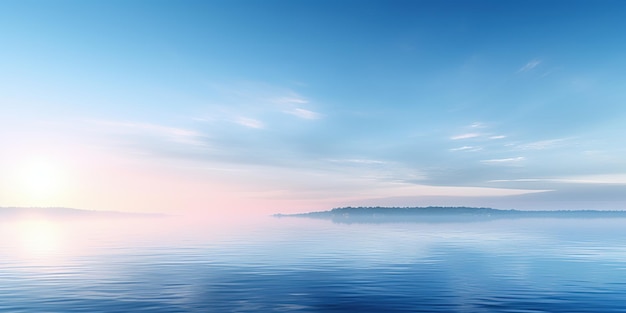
304, 114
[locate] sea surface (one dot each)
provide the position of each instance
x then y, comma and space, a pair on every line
307, 265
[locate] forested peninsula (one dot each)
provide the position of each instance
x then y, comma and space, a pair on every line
443, 214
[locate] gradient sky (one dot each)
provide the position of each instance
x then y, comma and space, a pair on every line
290, 106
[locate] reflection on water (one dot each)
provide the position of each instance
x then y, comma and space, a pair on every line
304, 265
38, 236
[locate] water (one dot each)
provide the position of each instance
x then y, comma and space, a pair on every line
305, 265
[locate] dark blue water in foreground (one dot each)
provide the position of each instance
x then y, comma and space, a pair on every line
302, 265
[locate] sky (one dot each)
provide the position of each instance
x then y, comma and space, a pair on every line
242, 107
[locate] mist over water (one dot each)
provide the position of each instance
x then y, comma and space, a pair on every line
309, 265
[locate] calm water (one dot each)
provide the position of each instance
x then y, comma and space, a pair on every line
303, 265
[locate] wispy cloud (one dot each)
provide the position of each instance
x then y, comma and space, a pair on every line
292, 103
542, 144
467, 148
305, 114
290, 99
529, 66
250, 122
519, 180
505, 161
238, 101
465, 136
585, 179
173, 134
598, 179
403, 189
478, 125
357, 161
477, 130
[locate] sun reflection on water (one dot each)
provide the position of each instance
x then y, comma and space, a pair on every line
39, 237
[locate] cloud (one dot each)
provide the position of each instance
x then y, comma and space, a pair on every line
598, 179
520, 180
233, 102
291, 99
505, 161
542, 144
173, 134
357, 161
585, 179
305, 114
403, 189
475, 130
465, 136
467, 148
250, 122
529, 66
291, 104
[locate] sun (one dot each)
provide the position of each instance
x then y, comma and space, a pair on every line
42, 178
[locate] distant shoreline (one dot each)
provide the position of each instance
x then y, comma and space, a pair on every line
61, 212
443, 214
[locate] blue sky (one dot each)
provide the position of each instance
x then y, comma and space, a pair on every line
298, 105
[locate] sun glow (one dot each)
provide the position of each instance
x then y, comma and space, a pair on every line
42, 178
39, 236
